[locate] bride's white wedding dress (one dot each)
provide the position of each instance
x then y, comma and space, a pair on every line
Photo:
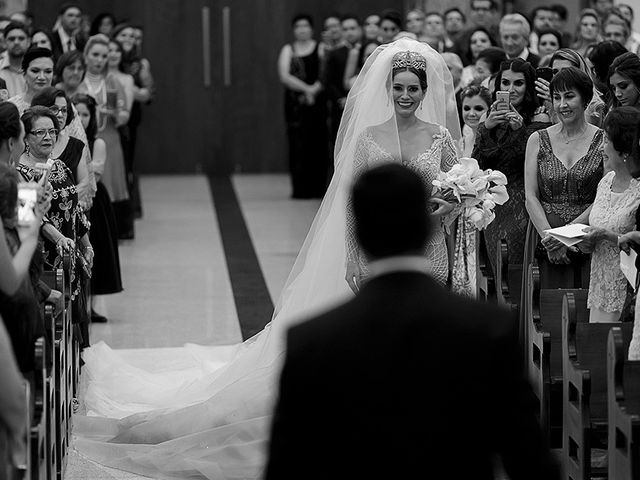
205, 412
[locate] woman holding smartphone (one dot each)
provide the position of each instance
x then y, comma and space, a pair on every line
500, 145
66, 228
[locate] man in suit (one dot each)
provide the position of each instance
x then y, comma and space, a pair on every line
406, 380
514, 36
67, 37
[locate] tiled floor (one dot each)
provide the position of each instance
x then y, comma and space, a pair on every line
177, 287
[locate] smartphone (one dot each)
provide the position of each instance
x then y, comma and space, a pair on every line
503, 100
42, 171
545, 73
27, 200
112, 99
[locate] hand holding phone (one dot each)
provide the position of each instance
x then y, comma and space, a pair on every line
502, 100
545, 73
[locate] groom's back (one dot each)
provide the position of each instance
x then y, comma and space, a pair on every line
406, 381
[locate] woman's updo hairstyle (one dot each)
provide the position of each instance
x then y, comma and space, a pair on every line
34, 53
572, 78
31, 114
9, 121
98, 39
627, 65
620, 127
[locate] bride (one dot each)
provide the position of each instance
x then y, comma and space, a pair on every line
212, 420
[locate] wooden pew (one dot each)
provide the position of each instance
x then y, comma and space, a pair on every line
38, 429
545, 350
584, 347
508, 278
484, 276
623, 401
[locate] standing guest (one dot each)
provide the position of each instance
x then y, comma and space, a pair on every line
483, 14
111, 101
68, 36
67, 148
106, 278
335, 66
331, 34
69, 72
624, 81
435, 34
103, 23
479, 40
19, 310
514, 36
67, 227
136, 65
601, 56
299, 70
612, 215
560, 15
372, 28
541, 19
13, 408
602, 7
26, 18
399, 308
487, 65
549, 42
587, 31
454, 23
500, 145
476, 101
4, 21
390, 25
416, 24
633, 43
41, 38
616, 28
116, 69
11, 70
37, 65
564, 164
356, 60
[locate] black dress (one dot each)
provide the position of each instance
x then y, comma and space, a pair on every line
307, 131
20, 313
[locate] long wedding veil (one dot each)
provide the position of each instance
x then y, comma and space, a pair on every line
218, 425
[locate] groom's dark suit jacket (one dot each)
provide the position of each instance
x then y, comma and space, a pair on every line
406, 381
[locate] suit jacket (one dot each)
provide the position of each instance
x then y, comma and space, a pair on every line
406, 380
56, 44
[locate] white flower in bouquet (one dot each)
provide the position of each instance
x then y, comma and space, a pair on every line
479, 191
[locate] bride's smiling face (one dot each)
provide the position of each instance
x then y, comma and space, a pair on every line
407, 93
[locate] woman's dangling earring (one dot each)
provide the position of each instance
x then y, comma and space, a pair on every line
27, 149
625, 157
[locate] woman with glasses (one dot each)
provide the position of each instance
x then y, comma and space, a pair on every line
500, 145
66, 227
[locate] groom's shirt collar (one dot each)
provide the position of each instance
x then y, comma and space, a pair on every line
400, 263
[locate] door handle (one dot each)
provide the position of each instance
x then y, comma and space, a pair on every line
206, 46
226, 45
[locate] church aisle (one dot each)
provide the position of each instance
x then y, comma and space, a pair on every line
177, 282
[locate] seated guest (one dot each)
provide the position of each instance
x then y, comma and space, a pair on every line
563, 168
500, 145
612, 215
426, 331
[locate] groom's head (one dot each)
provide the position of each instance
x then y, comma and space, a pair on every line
391, 212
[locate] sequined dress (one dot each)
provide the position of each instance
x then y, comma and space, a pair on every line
616, 212
440, 156
564, 194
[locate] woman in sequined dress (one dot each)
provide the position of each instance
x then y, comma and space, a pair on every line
564, 165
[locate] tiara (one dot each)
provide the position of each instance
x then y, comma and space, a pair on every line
409, 59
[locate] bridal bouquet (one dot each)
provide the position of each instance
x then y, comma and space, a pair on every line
479, 191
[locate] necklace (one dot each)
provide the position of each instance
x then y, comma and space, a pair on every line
568, 140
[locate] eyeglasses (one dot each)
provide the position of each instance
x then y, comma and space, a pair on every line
57, 110
40, 133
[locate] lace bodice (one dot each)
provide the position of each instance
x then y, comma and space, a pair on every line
567, 192
615, 212
440, 156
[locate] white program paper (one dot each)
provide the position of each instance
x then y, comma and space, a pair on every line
628, 266
568, 234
